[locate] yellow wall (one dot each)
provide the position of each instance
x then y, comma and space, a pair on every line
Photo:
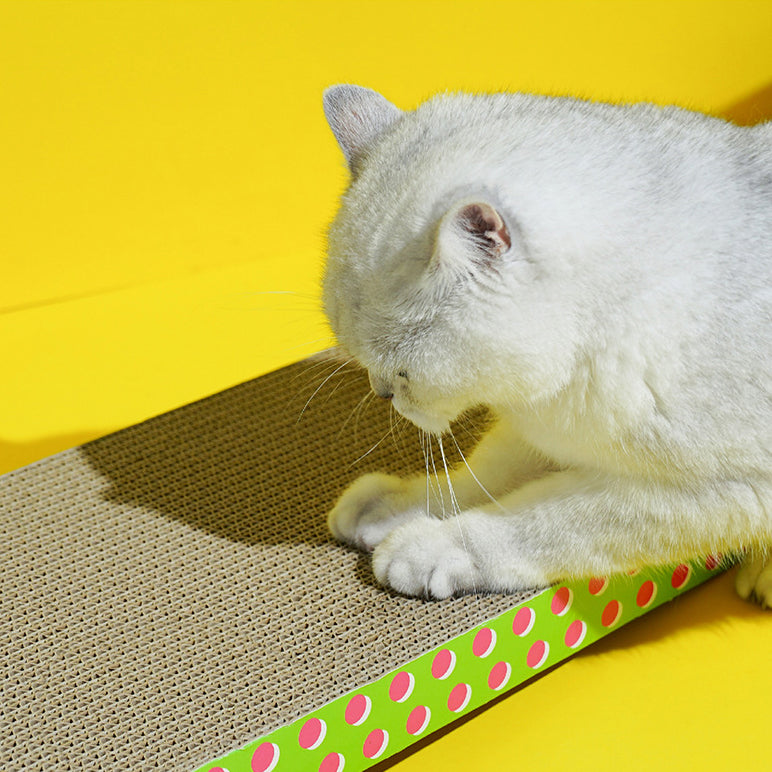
143, 140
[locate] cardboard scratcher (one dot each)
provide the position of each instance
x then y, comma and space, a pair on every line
170, 594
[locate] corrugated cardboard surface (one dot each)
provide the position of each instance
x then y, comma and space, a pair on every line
170, 592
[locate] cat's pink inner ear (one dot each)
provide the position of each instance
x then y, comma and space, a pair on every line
486, 227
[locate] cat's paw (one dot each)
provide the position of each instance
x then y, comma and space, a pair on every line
426, 557
370, 509
754, 579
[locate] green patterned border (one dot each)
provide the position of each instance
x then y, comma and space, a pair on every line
370, 724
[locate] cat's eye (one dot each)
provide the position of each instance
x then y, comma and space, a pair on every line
403, 374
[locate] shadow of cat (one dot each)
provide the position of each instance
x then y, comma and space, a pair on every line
262, 462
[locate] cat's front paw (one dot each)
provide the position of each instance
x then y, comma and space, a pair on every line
370, 509
426, 557
754, 579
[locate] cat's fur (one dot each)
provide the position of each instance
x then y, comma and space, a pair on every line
597, 275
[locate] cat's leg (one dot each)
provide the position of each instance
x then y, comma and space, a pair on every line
375, 504
567, 524
754, 577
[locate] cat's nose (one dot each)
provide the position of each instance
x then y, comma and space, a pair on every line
381, 386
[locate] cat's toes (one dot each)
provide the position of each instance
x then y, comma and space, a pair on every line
426, 558
369, 510
754, 579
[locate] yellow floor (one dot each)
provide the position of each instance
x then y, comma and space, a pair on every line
166, 180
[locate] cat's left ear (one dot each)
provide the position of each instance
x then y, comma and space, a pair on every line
357, 117
476, 228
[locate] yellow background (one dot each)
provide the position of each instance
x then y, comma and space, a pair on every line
166, 178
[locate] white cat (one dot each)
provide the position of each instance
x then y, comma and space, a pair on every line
599, 276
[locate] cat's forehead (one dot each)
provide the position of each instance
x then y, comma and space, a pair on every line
447, 144
384, 233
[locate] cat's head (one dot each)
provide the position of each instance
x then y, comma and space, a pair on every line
430, 282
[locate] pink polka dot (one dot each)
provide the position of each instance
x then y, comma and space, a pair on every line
499, 675
537, 654
265, 758
681, 576
561, 601
443, 663
375, 744
459, 697
401, 686
575, 634
597, 585
312, 733
418, 720
611, 613
218, 769
484, 642
712, 562
646, 594
358, 709
332, 762
523, 621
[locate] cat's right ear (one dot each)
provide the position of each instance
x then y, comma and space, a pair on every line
472, 229
357, 117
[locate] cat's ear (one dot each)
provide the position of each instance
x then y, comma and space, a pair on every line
475, 227
357, 117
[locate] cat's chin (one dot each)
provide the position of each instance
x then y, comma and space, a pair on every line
434, 424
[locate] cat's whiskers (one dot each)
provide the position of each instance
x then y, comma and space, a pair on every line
440, 497
314, 367
334, 389
453, 500
310, 374
474, 476
426, 448
422, 437
356, 413
364, 404
321, 385
471, 429
367, 453
402, 425
391, 424
352, 414
455, 504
